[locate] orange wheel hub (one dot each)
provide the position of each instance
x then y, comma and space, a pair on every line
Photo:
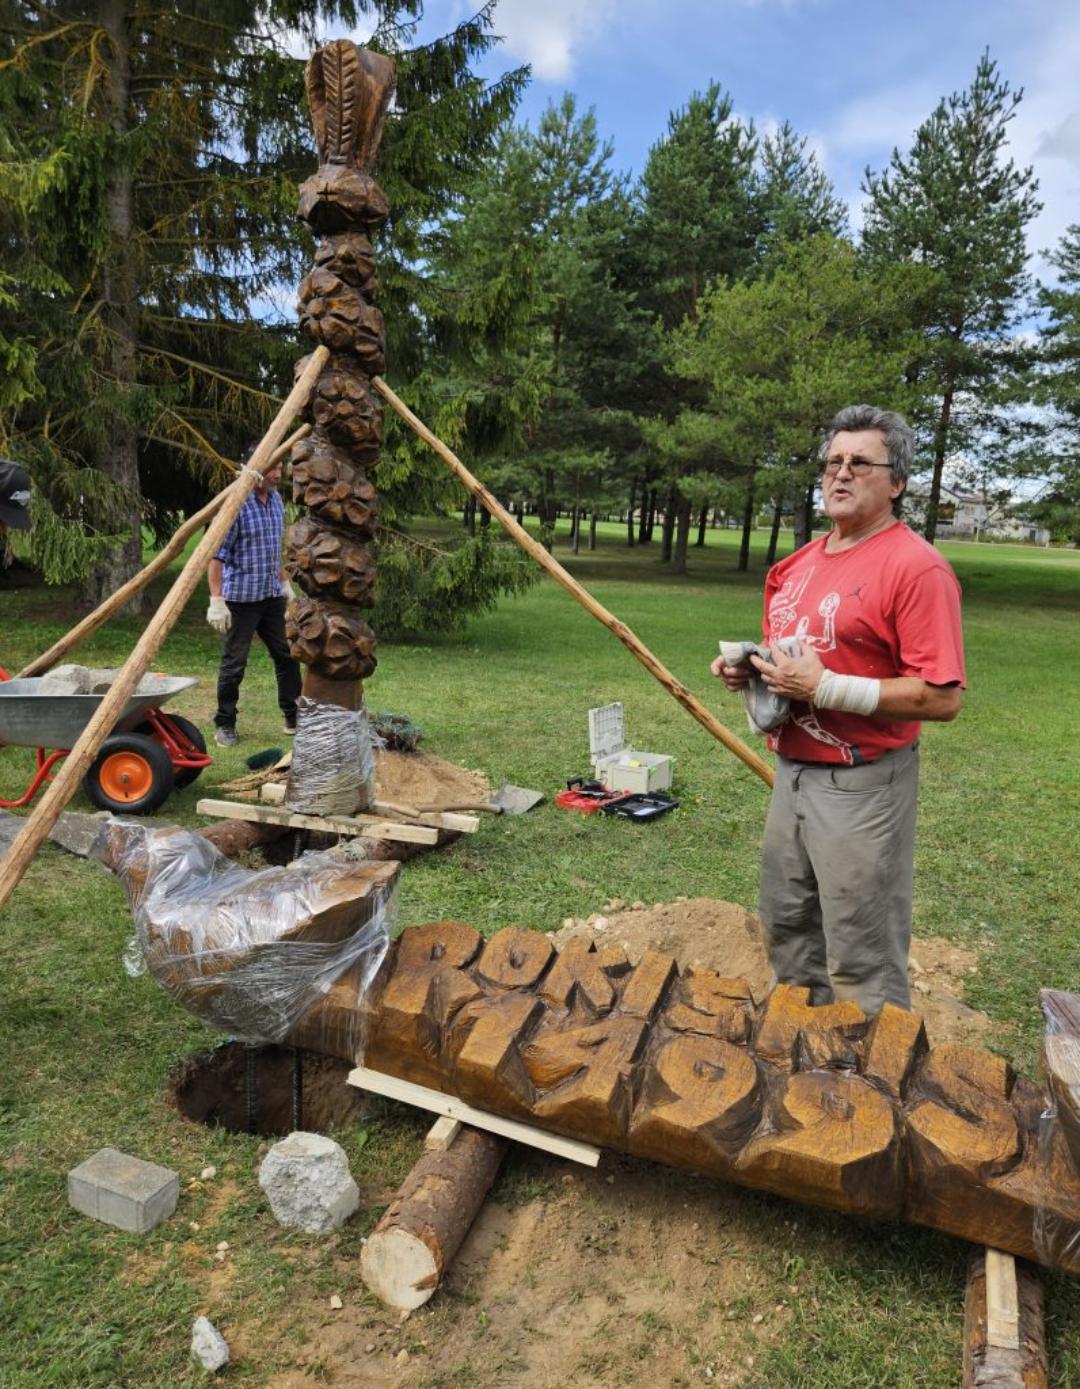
125, 776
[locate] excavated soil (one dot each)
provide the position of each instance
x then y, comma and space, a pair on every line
421, 778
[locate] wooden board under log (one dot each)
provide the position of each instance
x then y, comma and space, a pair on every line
407, 1254
680, 1066
1022, 1364
366, 827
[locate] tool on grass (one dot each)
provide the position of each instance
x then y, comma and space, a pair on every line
640, 805
507, 800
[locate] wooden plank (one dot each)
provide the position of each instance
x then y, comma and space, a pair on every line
419, 1095
441, 1134
368, 828
1002, 1301
273, 793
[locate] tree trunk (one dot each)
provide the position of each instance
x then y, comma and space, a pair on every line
644, 531
703, 518
470, 515
668, 533
485, 518
519, 513
118, 456
774, 534
941, 443
650, 517
747, 527
804, 518
407, 1254
682, 534
592, 531
630, 514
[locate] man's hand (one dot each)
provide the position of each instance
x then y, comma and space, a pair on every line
794, 677
735, 678
218, 615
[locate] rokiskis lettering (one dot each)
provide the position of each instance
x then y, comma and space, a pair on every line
683, 1067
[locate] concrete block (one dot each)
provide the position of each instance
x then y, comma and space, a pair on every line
208, 1345
307, 1180
124, 1191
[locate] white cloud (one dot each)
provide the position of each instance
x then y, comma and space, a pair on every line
552, 35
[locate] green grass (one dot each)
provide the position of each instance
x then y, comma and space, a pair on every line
88, 1049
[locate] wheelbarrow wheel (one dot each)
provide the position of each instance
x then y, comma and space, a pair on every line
131, 775
182, 776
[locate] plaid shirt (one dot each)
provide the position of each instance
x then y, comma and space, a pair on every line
251, 552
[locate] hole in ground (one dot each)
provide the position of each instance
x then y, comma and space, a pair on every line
251, 1090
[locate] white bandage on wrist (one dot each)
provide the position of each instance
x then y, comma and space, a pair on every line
854, 694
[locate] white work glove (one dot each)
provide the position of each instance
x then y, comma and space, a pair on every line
218, 615
287, 591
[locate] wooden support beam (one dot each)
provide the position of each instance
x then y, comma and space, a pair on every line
364, 827
75, 766
273, 793
423, 1098
441, 1134
1004, 1326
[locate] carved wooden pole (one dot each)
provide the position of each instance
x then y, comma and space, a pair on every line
328, 552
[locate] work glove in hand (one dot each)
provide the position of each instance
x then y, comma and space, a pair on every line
287, 591
218, 615
765, 711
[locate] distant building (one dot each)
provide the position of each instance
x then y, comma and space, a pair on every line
970, 516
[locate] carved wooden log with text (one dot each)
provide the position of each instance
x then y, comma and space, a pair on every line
682, 1067
327, 554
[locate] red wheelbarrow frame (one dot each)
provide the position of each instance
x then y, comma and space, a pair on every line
183, 754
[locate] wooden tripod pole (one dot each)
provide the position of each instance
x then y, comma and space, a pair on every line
78, 760
115, 601
637, 649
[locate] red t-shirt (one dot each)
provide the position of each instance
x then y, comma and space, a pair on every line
889, 606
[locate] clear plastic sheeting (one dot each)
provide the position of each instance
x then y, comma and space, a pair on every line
1058, 1240
252, 952
333, 761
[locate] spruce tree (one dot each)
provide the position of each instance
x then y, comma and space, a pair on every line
149, 158
959, 205
1057, 505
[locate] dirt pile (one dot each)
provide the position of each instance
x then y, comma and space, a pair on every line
421, 778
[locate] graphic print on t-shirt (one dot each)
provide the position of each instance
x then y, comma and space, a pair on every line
783, 615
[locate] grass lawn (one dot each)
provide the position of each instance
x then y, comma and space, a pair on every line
88, 1049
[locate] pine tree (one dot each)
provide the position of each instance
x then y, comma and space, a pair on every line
795, 196
153, 154
959, 205
1057, 505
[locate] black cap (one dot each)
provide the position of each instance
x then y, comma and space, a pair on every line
14, 495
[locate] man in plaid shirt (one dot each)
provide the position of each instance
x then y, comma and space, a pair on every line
248, 594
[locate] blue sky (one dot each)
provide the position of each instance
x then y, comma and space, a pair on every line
855, 78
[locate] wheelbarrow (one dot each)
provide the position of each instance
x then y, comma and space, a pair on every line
143, 758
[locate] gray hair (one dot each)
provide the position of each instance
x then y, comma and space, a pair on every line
899, 438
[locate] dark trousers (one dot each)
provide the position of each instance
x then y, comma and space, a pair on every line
266, 619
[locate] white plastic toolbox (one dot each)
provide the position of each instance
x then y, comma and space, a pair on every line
622, 768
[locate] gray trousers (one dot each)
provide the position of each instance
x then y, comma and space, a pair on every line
836, 878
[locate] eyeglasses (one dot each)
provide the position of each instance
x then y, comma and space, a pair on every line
858, 467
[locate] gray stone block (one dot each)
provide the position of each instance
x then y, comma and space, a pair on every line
307, 1180
124, 1191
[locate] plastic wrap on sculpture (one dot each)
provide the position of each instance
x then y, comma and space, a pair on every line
333, 763
1058, 1241
250, 951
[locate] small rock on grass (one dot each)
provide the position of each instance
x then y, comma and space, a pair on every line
208, 1345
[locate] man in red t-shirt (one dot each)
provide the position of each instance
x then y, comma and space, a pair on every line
875, 611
